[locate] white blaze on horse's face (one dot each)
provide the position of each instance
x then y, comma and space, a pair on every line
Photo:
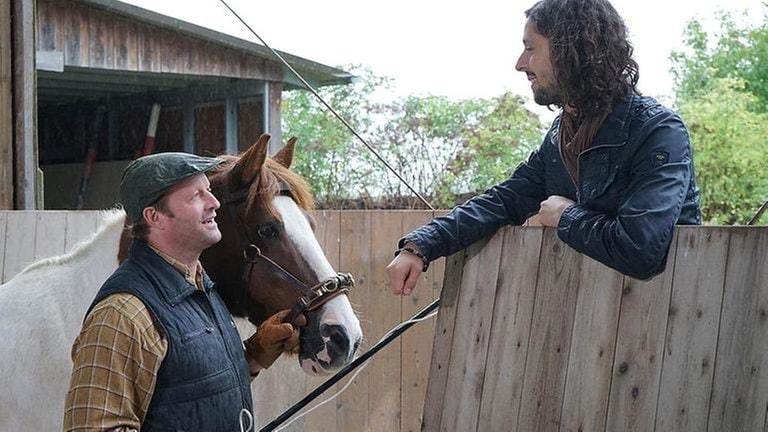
337, 319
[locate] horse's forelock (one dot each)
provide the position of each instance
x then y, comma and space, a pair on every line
266, 185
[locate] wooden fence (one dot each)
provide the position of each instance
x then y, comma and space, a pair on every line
533, 336
386, 396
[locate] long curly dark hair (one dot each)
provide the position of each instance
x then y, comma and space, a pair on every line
590, 53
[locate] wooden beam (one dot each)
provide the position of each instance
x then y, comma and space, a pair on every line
274, 145
189, 127
24, 101
274, 124
6, 108
230, 125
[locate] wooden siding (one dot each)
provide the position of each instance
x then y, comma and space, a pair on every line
89, 37
535, 336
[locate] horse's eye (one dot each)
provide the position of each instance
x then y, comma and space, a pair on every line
268, 231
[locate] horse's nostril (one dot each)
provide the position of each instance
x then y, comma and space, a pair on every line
337, 335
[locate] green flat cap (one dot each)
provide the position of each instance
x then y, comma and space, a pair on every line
146, 179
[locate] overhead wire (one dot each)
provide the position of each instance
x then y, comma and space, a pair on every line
329, 107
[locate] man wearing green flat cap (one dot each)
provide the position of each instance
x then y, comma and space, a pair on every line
158, 349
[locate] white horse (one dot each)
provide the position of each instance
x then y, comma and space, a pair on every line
42, 308
41, 311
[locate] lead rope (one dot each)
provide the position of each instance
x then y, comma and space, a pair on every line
249, 417
359, 369
330, 108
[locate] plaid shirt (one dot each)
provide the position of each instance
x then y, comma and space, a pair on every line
116, 358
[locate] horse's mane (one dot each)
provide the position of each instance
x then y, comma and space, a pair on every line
266, 185
113, 220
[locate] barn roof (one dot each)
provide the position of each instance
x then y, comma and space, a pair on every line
90, 49
316, 73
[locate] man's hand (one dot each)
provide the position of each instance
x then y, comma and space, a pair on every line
552, 208
272, 338
404, 271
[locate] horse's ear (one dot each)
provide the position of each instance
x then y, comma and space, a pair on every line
251, 161
285, 155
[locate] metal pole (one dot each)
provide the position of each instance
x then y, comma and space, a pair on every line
347, 369
759, 213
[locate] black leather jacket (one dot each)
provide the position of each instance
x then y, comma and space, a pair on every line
636, 181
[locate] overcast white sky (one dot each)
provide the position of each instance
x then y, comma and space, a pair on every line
453, 48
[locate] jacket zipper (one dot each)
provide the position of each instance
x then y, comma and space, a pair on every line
233, 363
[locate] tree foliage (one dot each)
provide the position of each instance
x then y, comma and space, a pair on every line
729, 149
443, 148
722, 94
737, 52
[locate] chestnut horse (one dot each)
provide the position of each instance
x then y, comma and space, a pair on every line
265, 208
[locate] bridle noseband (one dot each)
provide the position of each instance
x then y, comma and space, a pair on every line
310, 298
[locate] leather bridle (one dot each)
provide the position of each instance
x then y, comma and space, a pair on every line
310, 298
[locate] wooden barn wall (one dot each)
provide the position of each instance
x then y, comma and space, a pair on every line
90, 37
386, 396
533, 336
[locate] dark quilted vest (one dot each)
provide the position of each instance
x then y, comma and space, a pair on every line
204, 381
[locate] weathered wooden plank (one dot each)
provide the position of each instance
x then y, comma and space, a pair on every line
51, 232
639, 351
126, 45
691, 341
455, 266
547, 359
275, 113
184, 48
6, 109
740, 392
24, 106
461, 405
384, 312
515, 292
76, 46
356, 235
4, 250
417, 341
325, 417
81, 225
19, 242
101, 40
170, 49
276, 389
50, 34
588, 381
149, 49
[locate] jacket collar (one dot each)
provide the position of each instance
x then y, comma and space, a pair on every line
615, 128
170, 283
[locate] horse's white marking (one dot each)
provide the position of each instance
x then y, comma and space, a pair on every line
338, 311
301, 235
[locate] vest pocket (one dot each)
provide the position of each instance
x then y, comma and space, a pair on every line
196, 333
187, 391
